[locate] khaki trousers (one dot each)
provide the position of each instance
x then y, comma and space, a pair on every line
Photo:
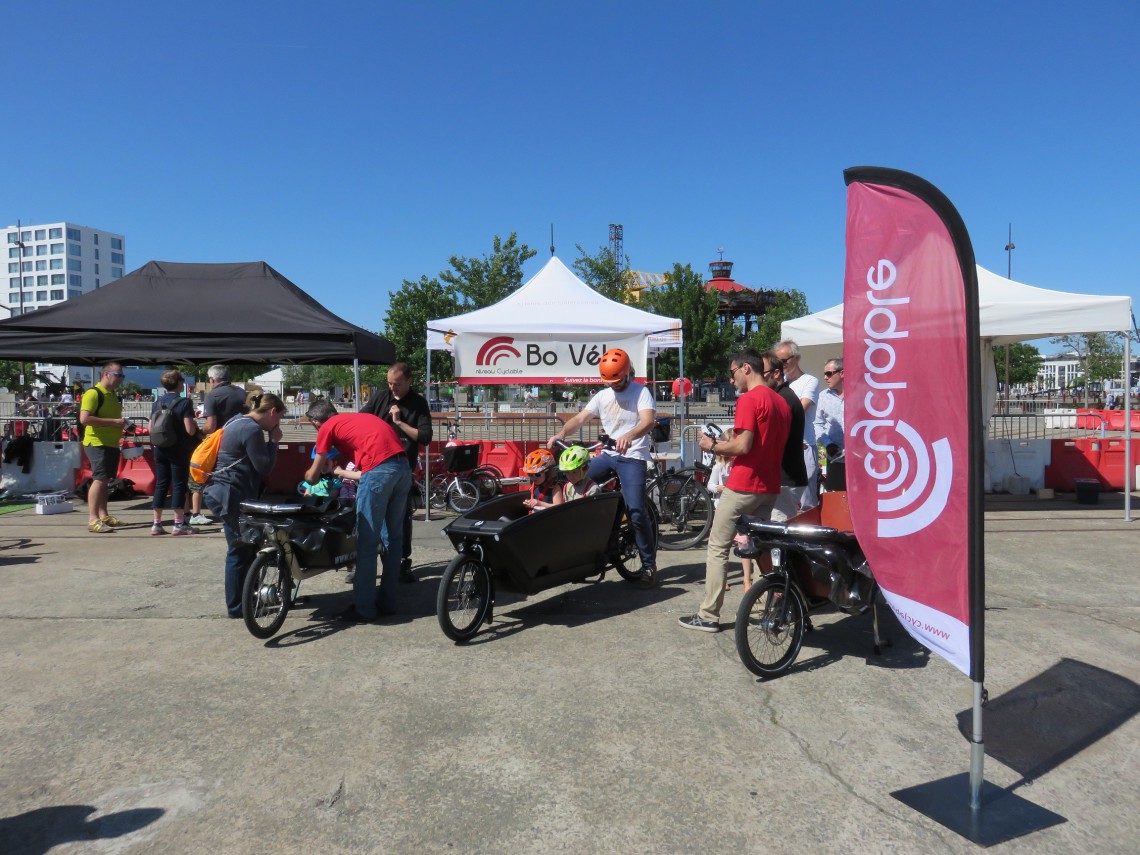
729, 510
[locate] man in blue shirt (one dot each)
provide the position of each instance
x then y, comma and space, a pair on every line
829, 410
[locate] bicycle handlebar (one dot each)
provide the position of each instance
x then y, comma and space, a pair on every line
604, 441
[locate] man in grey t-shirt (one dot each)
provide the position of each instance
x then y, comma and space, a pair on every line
223, 401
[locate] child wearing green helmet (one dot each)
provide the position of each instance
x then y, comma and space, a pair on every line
572, 464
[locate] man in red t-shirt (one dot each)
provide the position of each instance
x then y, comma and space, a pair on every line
385, 478
761, 431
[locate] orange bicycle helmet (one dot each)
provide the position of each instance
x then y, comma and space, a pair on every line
614, 365
538, 461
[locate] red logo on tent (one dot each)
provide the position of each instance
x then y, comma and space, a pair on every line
495, 349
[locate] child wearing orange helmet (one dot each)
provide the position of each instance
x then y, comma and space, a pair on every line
545, 492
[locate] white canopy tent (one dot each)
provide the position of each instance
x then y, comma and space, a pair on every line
556, 304
1008, 311
556, 314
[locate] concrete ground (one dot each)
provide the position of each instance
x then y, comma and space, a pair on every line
134, 717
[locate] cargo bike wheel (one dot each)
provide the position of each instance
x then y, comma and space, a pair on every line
626, 559
464, 598
266, 594
770, 626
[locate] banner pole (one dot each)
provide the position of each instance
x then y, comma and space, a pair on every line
977, 750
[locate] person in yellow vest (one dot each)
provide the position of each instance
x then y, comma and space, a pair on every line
101, 416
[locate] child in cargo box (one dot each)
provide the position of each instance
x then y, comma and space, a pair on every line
545, 491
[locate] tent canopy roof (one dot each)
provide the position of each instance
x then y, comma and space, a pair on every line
1008, 311
555, 302
167, 312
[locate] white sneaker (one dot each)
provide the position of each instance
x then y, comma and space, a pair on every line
200, 519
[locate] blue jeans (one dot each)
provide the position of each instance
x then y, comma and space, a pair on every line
631, 474
171, 472
239, 556
381, 501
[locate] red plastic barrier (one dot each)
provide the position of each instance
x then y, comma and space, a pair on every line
140, 470
507, 456
1090, 457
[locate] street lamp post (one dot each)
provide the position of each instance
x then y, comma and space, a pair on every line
1009, 248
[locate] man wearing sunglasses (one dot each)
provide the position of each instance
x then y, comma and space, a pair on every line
761, 426
829, 410
102, 422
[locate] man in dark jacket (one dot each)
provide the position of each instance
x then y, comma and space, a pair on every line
792, 467
407, 411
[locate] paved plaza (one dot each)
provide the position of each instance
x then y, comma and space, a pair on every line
136, 718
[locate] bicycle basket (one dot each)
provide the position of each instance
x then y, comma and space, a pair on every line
461, 458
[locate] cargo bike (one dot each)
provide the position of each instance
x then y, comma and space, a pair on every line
296, 538
502, 546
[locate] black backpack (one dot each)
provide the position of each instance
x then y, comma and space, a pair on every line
80, 428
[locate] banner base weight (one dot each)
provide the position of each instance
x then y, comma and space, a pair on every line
1002, 816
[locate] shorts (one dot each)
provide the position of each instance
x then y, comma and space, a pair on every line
193, 486
104, 461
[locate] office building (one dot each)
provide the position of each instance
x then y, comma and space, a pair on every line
50, 263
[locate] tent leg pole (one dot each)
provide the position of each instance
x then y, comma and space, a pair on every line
681, 384
356, 382
427, 451
1128, 426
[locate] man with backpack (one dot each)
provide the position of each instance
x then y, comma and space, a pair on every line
101, 422
222, 403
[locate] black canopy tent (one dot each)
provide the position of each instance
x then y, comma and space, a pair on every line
166, 312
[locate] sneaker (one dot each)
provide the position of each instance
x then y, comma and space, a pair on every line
182, 528
99, 527
111, 521
647, 578
200, 519
351, 615
698, 622
157, 529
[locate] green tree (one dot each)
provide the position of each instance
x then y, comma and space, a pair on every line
405, 324
480, 282
239, 371
605, 273
708, 345
10, 374
1100, 355
790, 304
320, 377
1024, 363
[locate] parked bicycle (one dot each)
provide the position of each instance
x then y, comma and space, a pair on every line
462, 483
683, 503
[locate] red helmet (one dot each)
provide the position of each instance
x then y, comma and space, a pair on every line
539, 461
614, 365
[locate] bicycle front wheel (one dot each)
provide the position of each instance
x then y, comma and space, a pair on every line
462, 495
684, 511
769, 626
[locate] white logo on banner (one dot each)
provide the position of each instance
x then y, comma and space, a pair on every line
914, 477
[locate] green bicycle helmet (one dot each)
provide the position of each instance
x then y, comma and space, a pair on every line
573, 458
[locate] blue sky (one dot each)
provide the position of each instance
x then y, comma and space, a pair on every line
355, 145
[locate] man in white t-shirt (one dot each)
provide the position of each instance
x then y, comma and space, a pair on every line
626, 410
806, 388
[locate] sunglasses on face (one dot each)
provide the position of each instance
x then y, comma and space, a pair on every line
116, 374
832, 373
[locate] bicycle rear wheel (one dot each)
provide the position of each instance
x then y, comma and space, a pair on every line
684, 510
487, 479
